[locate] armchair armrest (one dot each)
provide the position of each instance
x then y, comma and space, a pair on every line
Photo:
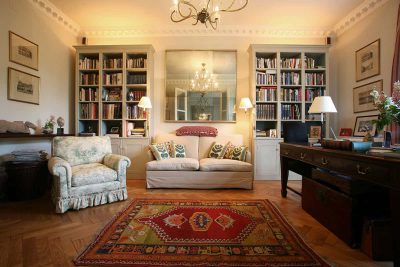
150, 155
116, 162
62, 169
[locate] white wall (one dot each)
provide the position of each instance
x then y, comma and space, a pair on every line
381, 24
241, 44
56, 63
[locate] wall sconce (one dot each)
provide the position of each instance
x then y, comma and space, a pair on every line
245, 104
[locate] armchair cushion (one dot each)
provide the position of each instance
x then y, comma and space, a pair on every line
93, 173
78, 150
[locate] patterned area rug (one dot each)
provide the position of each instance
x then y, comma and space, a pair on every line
199, 233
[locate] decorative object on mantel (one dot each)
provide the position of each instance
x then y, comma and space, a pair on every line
199, 233
206, 11
49, 125
14, 127
60, 123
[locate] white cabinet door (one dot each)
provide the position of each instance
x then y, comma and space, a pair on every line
136, 150
267, 160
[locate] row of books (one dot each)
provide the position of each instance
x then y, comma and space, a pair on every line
291, 63
88, 63
266, 111
112, 111
269, 63
291, 94
136, 62
268, 78
136, 79
89, 78
112, 78
112, 94
135, 95
315, 79
290, 112
112, 63
88, 94
310, 63
313, 93
290, 78
266, 94
266, 133
89, 111
133, 112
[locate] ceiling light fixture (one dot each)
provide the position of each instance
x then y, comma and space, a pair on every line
207, 11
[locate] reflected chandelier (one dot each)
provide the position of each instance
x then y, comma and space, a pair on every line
207, 11
203, 81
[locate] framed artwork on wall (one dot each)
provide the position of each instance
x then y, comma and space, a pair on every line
365, 124
362, 99
23, 52
368, 61
23, 87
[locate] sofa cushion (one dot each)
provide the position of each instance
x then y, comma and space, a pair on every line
178, 150
93, 173
160, 151
238, 153
191, 143
173, 164
217, 150
206, 142
230, 165
197, 131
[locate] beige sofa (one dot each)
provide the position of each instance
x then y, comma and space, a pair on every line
197, 170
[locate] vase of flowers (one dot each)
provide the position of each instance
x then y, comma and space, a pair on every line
49, 125
388, 107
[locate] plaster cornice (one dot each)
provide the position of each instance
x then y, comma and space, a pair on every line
57, 15
356, 15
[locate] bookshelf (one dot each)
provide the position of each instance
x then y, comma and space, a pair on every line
284, 81
110, 81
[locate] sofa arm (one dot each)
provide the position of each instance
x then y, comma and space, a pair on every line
62, 174
248, 156
116, 162
150, 156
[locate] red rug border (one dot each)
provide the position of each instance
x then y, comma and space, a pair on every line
77, 261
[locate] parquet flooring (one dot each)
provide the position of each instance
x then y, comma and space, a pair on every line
31, 234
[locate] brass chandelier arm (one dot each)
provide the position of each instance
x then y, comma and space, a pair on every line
179, 11
183, 17
228, 9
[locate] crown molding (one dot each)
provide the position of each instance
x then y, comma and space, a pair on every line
202, 31
356, 15
57, 15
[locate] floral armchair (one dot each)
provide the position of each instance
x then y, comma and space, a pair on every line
85, 173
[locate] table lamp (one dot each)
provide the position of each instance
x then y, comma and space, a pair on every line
245, 104
145, 103
322, 104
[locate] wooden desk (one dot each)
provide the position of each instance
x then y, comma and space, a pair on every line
377, 170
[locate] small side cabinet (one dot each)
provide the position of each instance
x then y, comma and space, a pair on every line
266, 159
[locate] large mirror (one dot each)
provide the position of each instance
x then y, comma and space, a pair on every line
200, 85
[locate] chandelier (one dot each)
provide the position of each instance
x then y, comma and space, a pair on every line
203, 81
207, 10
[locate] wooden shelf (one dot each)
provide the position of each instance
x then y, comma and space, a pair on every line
28, 136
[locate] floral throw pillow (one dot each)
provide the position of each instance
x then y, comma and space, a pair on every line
238, 153
217, 151
229, 150
160, 151
178, 151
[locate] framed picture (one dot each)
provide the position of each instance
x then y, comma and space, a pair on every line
23, 87
362, 99
23, 51
368, 61
114, 130
364, 124
315, 131
345, 132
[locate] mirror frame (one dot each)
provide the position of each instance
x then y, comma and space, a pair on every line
165, 85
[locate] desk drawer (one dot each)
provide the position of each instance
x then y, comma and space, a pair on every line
356, 169
297, 154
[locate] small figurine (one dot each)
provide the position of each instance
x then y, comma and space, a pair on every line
60, 123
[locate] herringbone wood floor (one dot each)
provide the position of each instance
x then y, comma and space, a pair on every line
31, 234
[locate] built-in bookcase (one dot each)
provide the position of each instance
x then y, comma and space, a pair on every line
284, 81
110, 83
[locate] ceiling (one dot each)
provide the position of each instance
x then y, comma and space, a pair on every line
150, 14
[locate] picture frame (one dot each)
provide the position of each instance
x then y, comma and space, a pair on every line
23, 52
23, 87
315, 131
114, 130
368, 61
345, 132
362, 98
364, 124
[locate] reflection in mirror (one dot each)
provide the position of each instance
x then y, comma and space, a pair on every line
200, 85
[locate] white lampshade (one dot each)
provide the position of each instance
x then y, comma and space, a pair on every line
145, 102
322, 104
245, 103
